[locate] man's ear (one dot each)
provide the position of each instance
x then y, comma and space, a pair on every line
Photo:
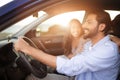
102, 27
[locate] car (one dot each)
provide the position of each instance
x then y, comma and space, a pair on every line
43, 24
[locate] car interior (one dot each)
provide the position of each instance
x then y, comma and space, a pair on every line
43, 23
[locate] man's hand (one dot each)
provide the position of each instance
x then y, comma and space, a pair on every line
21, 45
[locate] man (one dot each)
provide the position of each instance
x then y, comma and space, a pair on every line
99, 59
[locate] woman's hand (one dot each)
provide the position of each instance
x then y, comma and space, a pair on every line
115, 39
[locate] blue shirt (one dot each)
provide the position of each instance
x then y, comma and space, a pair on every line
98, 62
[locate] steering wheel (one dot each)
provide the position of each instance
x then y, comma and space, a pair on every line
36, 68
31, 65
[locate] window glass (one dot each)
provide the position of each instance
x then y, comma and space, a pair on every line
113, 13
58, 24
2, 3
61, 20
20, 25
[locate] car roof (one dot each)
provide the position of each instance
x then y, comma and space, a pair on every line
12, 5
72, 5
19, 9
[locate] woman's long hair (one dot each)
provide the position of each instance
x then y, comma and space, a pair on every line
67, 43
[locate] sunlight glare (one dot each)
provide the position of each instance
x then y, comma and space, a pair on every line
2, 3
62, 19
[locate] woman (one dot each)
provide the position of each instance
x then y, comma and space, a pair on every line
74, 40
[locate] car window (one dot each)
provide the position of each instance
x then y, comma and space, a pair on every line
20, 25
2, 3
58, 24
113, 13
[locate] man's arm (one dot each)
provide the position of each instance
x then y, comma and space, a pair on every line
41, 56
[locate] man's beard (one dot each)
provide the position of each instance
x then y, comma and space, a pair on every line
86, 34
89, 35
